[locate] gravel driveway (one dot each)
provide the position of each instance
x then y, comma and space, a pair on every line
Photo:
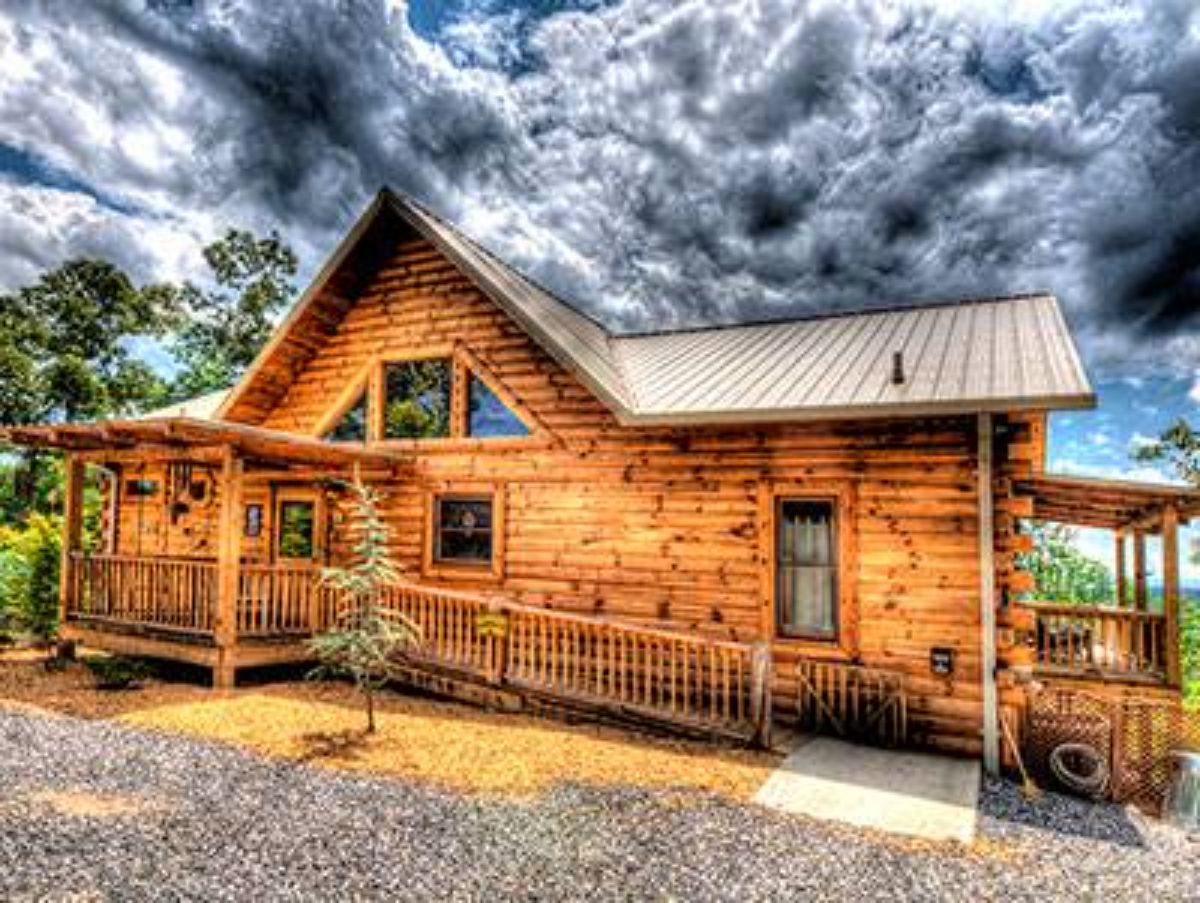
91, 810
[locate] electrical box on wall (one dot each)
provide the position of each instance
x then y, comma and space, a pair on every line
941, 660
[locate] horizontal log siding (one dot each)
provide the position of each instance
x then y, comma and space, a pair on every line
660, 525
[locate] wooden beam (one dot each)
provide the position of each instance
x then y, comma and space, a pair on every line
1139, 570
229, 536
1170, 546
1122, 576
72, 532
987, 595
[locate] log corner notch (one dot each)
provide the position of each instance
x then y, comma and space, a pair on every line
228, 567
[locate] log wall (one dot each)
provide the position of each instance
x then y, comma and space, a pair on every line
661, 525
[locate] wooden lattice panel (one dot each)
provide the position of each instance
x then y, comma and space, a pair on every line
1148, 731
1134, 736
1060, 716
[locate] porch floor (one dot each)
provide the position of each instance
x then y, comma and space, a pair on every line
914, 794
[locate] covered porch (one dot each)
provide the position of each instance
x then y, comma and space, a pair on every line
188, 564
1135, 637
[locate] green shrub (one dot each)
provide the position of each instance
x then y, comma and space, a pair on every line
117, 673
29, 563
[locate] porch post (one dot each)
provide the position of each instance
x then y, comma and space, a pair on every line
228, 566
72, 532
1170, 547
987, 597
1122, 575
1139, 570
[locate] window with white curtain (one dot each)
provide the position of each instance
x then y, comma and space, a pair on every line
806, 566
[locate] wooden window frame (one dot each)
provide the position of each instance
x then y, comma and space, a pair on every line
370, 382
844, 644
490, 571
313, 497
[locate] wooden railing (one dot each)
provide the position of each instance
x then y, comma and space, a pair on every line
691, 681
165, 593
850, 701
705, 684
1100, 641
282, 600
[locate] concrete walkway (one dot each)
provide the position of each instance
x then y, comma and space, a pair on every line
917, 794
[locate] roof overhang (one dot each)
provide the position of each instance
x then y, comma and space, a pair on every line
1107, 504
819, 413
186, 433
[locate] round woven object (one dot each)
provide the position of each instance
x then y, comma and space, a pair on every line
1080, 767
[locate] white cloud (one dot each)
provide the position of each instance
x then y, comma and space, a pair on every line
660, 161
1194, 392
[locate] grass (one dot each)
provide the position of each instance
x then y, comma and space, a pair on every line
444, 744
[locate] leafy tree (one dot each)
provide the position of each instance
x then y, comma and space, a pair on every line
1061, 572
368, 637
228, 324
1179, 447
66, 339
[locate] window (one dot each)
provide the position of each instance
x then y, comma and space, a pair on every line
806, 568
488, 415
254, 521
141, 488
297, 530
463, 529
351, 426
416, 402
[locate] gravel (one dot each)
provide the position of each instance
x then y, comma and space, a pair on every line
94, 810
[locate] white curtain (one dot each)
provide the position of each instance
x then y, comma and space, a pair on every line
807, 572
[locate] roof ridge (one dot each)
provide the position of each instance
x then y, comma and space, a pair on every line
835, 314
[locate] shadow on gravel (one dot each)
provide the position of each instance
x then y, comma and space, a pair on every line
1106, 822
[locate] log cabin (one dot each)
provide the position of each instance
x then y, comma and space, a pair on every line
814, 519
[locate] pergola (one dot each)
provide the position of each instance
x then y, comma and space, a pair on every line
1132, 511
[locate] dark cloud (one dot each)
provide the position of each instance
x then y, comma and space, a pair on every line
660, 163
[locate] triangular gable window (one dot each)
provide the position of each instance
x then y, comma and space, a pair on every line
488, 416
351, 426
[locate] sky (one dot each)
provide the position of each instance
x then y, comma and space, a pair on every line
657, 162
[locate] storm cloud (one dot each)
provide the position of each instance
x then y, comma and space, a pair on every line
658, 163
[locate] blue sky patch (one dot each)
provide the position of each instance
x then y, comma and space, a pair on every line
28, 169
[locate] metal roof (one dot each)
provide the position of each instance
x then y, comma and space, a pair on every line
997, 354
1013, 353
202, 407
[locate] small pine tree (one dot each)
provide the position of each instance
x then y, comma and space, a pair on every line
368, 636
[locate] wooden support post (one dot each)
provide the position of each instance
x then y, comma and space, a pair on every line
72, 534
760, 693
1170, 548
1139, 570
228, 566
1122, 576
987, 597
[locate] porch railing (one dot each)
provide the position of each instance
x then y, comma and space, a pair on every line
165, 593
1101, 641
282, 600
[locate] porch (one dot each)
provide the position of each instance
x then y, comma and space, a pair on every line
1135, 638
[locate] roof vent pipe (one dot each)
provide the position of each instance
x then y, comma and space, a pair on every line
898, 368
